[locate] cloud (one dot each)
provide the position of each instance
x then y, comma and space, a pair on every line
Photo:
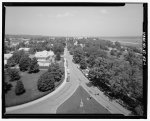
67, 14
104, 11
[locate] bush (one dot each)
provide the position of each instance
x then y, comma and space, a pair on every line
24, 63
13, 74
46, 82
7, 87
19, 88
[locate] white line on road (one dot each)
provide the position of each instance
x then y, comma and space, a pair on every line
81, 103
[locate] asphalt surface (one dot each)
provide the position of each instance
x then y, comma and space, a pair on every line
81, 103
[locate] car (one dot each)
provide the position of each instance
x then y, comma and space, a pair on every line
68, 78
68, 71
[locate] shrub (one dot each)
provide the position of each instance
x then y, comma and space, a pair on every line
13, 74
19, 88
7, 87
46, 82
24, 63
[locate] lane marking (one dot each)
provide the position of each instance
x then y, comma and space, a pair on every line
81, 103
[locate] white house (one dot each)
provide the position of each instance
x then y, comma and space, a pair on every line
44, 57
76, 43
25, 49
6, 57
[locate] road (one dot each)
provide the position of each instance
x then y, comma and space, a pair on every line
64, 95
81, 103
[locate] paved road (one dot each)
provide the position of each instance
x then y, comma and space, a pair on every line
81, 103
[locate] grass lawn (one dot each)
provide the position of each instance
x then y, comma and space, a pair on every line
30, 84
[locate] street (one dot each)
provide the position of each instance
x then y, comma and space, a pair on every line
81, 102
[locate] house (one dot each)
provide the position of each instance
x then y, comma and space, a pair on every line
44, 58
6, 57
25, 49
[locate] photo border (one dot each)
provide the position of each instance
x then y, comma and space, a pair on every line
80, 4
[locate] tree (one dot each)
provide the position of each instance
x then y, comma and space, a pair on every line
131, 57
83, 64
14, 74
11, 62
58, 48
58, 56
19, 89
46, 82
34, 66
91, 61
6, 66
56, 70
113, 52
17, 56
118, 45
99, 75
78, 55
139, 110
7, 87
24, 63
32, 50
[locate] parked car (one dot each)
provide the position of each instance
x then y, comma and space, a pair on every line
68, 71
68, 78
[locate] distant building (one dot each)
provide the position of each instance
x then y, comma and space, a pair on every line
25, 49
76, 43
44, 58
26, 42
6, 57
14, 44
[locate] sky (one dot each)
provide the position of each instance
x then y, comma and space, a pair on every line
75, 21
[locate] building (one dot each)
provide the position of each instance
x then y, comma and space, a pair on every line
6, 57
25, 49
44, 58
